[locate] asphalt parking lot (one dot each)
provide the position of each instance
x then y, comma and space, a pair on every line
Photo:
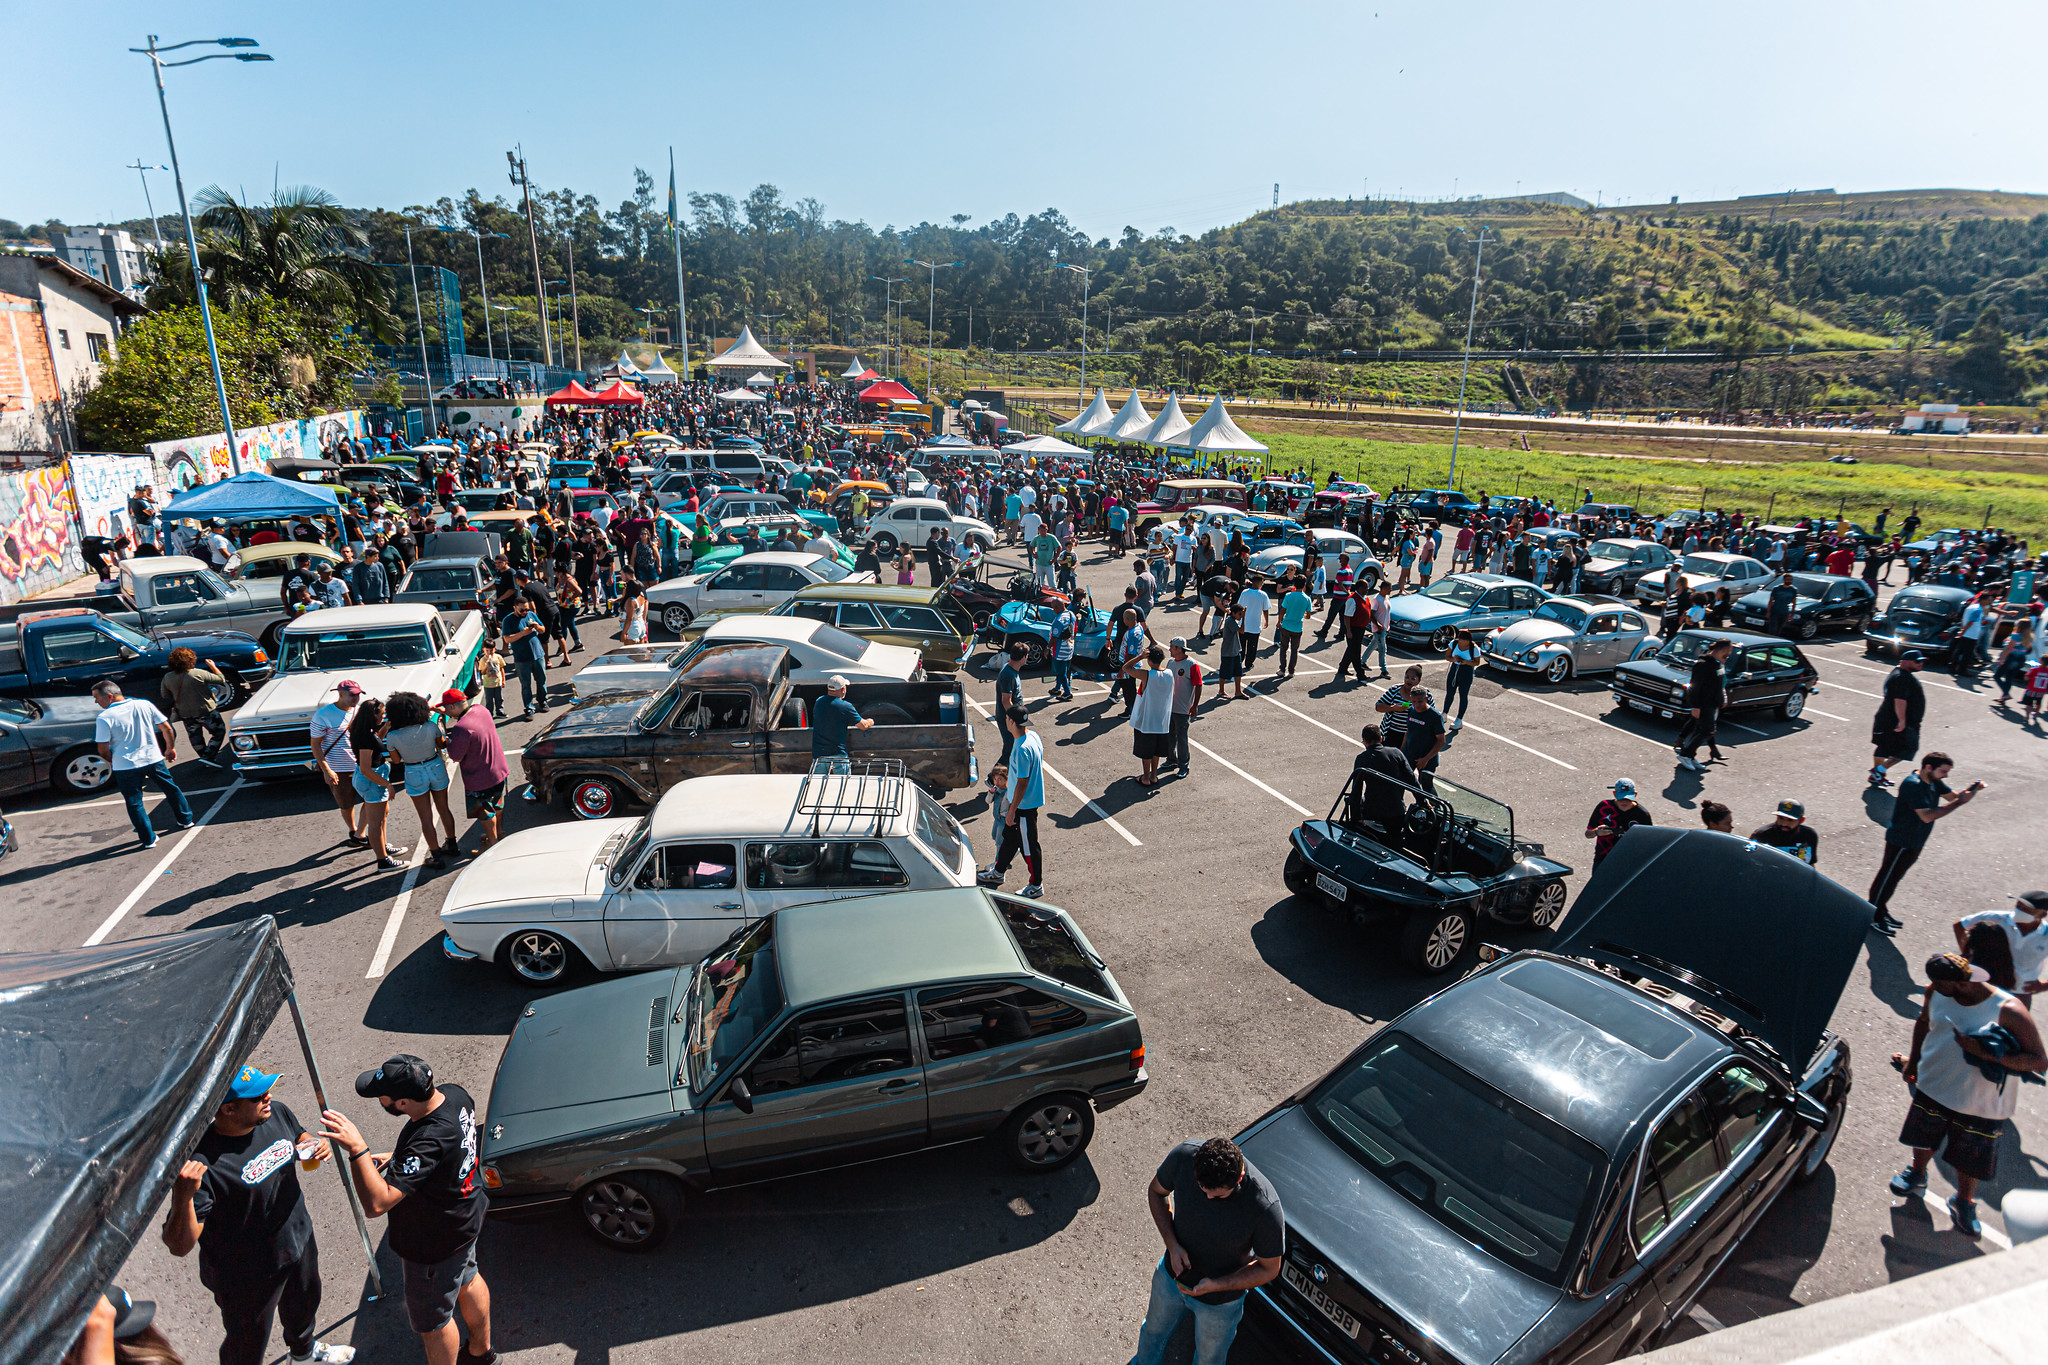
1244, 995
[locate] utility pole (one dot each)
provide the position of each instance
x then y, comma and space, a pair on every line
517, 160
888, 283
931, 317
1087, 278
1458, 423
575, 316
143, 171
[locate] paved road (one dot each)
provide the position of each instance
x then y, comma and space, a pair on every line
1244, 995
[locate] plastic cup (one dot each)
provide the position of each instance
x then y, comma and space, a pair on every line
309, 1155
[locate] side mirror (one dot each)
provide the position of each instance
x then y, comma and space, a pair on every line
741, 1097
1808, 1110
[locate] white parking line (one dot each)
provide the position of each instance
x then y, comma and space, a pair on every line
1816, 711
1866, 668
1857, 690
1292, 805
1601, 721
102, 801
420, 850
128, 903
1073, 790
1477, 729
1938, 1204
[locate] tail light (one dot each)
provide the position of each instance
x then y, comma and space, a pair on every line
1309, 837
1138, 1057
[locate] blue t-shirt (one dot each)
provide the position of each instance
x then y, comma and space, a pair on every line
831, 718
534, 647
1293, 608
1027, 773
1117, 517
1064, 627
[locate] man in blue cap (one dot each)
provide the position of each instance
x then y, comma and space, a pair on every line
238, 1200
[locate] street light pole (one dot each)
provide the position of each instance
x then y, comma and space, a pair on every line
1458, 423
1086, 280
143, 171
418, 321
157, 65
888, 283
931, 315
490, 343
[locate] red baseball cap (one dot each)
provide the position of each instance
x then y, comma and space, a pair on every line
454, 696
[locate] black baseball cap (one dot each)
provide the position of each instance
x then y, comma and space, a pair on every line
403, 1077
1915, 655
130, 1317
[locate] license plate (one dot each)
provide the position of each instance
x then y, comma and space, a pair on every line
1331, 887
1642, 706
1323, 1303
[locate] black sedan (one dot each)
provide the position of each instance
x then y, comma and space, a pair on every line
50, 739
1826, 602
1925, 616
1764, 673
1548, 1161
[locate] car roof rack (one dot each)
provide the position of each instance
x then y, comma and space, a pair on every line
852, 786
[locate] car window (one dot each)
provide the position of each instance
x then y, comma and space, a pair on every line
1739, 1106
1779, 657
904, 514
813, 862
841, 1042
1679, 1163
812, 611
1631, 622
180, 590
858, 616
1604, 625
1840, 592
933, 514
782, 578
1525, 599
990, 1015
940, 833
714, 711
923, 620
78, 648
689, 867
1497, 600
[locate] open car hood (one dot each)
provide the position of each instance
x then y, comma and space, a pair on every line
1770, 941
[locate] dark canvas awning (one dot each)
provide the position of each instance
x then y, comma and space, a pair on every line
112, 1060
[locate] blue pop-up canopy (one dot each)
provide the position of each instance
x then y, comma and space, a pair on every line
249, 494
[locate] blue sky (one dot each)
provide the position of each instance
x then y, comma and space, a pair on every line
1146, 114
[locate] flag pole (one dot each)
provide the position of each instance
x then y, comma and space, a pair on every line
675, 233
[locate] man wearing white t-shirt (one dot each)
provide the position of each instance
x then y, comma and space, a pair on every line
136, 739
1030, 523
2026, 933
1256, 604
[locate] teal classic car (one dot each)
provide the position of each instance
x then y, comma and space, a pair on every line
1031, 623
572, 474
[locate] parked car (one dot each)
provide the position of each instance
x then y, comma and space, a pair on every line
821, 1036
50, 739
734, 709
817, 651
1567, 1145
766, 532
572, 474
68, 650
1291, 553
911, 521
177, 592
1568, 636
751, 582
1606, 511
1423, 879
474, 500
1826, 602
445, 584
1764, 673
1171, 498
1479, 602
1283, 496
714, 855
1333, 502
1922, 616
1031, 624
1615, 565
984, 596
1706, 571
1434, 504
928, 620
271, 561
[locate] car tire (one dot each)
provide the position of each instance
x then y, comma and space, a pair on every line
538, 957
981, 616
593, 798
1048, 1133
1034, 649
1546, 907
885, 543
272, 639
1790, 708
1296, 875
1558, 670
676, 618
1816, 1158
1806, 627
81, 771
983, 541
229, 692
632, 1211
1434, 942
1443, 638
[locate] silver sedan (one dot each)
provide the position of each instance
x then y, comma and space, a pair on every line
1572, 635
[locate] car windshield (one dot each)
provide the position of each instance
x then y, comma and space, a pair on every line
18, 708
308, 651
622, 855
1809, 585
828, 570
442, 580
1712, 568
1492, 1170
1482, 810
1610, 549
134, 639
1462, 592
736, 995
940, 833
1564, 613
1685, 650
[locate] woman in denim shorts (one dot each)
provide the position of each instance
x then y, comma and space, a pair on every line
416, 741
372, 784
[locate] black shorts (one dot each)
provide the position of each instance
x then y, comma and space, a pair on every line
1891, 743
1972, 1141
1151, 746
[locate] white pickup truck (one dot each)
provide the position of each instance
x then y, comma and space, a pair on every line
397, 647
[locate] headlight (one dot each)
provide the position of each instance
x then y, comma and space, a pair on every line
261, 657
244, 744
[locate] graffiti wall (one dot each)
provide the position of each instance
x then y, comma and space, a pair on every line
203, 459
520, 419
38, 539
102, 484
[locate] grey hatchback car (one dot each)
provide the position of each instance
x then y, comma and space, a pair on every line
820, 1036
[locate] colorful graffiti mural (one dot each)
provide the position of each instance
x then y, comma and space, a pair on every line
519, 419
38, 537
203, 459
101, 486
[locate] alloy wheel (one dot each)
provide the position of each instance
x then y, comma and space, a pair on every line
1549, 904
86, 772
537, 956
1050, 1133
618, 1212
1445, 941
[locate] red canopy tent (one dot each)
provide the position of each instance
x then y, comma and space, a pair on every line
886, 391
618, 394
867, 374
573, 396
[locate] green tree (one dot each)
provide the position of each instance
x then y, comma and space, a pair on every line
278, 362
1985, 364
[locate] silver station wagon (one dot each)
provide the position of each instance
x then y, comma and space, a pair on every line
820, 1036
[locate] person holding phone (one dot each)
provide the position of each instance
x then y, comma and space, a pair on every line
1923, 798
1224, 1232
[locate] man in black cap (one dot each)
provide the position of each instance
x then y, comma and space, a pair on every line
432, 1186
1788, 832
238, 1200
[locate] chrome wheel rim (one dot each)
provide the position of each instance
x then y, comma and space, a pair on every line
223, 693
539, 957
1549, 905
677, 619
618, 1212
1446, 940
1794, 704
592, 800
1560, 669
1050, 1133
88, 772
1443, 637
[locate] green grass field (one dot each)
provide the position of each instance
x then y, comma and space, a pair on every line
1785, 489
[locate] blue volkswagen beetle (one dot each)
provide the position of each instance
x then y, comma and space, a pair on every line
1031, 622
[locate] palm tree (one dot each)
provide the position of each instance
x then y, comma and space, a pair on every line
300, 249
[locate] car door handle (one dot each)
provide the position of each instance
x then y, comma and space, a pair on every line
898, 1085
728, 905
743, 744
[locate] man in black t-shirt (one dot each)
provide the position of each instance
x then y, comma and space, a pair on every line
1374, 797
1224, 1235
1788, 832
1705, 694
431, 1184
1895, 729
238, 1200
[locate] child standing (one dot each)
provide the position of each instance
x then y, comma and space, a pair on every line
490, 676
1232, 650
2037, 688
998, 785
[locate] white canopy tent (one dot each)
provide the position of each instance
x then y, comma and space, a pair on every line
1169, 428
740, 396
658, 372
758, 381
747, 354
1129, 424
1043, 445
625, 366
854, 369
1085, 421
1215, 434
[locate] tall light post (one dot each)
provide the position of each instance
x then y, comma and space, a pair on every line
888, 283
490, 342
419, 321
1458, 423
557, 314
143, 171
931, 316
157, 65
769, 320
1086, 280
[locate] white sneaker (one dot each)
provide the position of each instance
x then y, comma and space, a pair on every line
1032, 892
324, 1354
1457, 724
